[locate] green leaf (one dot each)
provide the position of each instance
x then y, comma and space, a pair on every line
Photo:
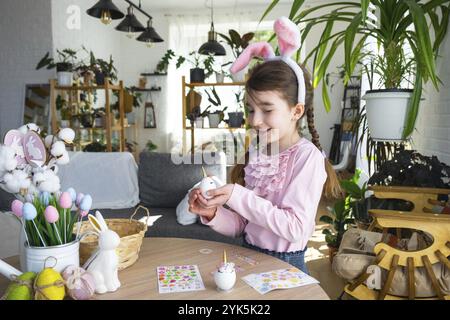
295, 7
326, 97
326, 219
413, 108
423, 37
349, 39
271, 6
364, 8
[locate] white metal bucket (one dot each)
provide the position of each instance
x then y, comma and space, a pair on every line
34, 258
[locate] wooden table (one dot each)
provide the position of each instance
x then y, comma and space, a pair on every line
140, 282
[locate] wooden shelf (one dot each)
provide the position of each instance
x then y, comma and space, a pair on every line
212, 84
145, 90
78, 88
145, 74
74, 99
226, 128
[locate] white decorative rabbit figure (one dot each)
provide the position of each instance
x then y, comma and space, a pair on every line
104, 263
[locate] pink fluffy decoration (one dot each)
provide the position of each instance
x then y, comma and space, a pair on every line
257, 49
288, 35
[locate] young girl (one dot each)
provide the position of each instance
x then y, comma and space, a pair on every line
274, 197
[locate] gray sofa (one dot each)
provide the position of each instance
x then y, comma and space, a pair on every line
162, 185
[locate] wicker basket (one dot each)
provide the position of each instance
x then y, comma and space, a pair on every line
130, 231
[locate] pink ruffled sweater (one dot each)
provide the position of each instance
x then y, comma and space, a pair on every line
277, 208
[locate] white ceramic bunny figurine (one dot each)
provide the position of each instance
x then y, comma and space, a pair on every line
105, 263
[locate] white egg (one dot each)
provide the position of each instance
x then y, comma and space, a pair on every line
205, 185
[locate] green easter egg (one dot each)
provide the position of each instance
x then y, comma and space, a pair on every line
19, 291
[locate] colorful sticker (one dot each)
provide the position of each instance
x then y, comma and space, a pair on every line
278, 279
179, 278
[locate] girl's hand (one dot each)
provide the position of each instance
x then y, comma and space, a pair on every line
196, 206
219, 196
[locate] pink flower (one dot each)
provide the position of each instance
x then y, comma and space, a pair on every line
16, 207
65, 200
51, 214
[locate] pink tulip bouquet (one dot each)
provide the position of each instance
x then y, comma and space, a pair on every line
28, 168
48, 219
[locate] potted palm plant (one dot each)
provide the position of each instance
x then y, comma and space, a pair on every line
404, 59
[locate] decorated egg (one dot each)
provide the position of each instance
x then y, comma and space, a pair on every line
49, 285
86, 203
16, 207
21, 287
51, 214
80, 283
205, 185
29, 211
65, 200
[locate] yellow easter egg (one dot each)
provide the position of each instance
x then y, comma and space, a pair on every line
49, 285
21, 287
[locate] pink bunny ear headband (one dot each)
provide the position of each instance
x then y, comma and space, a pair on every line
288, 35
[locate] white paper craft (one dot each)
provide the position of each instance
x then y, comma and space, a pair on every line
179, 279
278, 279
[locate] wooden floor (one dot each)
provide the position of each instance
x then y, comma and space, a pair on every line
317, 258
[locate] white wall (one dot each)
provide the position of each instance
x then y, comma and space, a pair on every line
432, 136
25, 36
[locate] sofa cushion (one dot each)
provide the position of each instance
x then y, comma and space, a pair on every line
164, 179
167, 226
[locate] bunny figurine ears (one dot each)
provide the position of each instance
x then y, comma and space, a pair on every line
288, 35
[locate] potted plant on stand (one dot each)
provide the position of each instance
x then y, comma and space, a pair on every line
236, 119
64, 67
217, 116
403, 57
237, 44
103, 69
339, 218
222, 73
357, 201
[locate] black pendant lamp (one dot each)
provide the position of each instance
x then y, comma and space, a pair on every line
130, 23
149, 35
212, 46
106, 11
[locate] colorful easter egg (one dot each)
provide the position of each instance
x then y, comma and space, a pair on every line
17, 207
29, 211
21, 287
14, 139
72, 193
78, 199
51, 214
65, 200
49, 285
80, 283
34, 149
86, 203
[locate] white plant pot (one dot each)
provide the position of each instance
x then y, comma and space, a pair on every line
386, 113
65, 78
220, 77
239, 76
58, 257
214, 120
199, 122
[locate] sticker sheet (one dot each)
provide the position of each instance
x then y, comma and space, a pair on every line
278, 279
179, 279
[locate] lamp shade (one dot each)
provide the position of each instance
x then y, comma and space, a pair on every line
105, 5
212, 46
130, 23
149, 35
